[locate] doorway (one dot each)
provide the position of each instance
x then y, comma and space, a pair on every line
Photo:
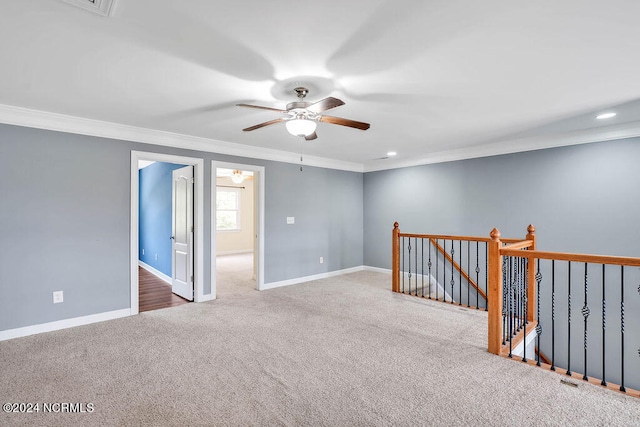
185, 266
237, 212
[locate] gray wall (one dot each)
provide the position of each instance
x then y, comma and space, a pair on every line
64, 222
583, 198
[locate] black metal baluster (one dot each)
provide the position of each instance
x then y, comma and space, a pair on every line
409, 257
429, 265
525, 263
519, 295
539, 327
486, 274
569, 320
511, 328
452, 283
416, 255
604, 309
403, 270
505, 280
477, 276
460, 271
553, 314
437, 265
585, 314
422, 266
468, 272
622, 388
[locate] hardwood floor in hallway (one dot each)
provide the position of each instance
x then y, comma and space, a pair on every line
154, 293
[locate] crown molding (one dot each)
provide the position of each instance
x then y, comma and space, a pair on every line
26, 117
600, 134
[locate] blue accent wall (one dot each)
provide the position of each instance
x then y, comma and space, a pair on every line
155, 215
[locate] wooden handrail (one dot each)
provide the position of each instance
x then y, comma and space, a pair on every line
565, 256
445, 237
457, 267
523, 244
450, 237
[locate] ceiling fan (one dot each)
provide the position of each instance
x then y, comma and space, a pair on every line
304, 115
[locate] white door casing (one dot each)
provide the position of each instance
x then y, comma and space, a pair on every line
259, 194
198, 210
182, 233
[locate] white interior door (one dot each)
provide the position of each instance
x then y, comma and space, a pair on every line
182, 233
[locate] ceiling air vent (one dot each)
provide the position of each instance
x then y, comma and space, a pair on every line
101, 7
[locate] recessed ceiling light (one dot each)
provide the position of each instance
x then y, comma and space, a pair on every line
605, 116
391, 153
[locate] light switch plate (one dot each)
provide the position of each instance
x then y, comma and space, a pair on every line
291, 220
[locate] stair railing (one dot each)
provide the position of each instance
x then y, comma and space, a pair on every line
533, 295
446, 268
565, 303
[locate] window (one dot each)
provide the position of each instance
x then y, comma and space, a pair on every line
228, 209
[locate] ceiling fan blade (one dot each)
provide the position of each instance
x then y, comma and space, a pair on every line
311, 137
325, 104
261, 125
344, 122
262, 108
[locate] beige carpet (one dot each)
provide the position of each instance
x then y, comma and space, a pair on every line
335, 352
234, 274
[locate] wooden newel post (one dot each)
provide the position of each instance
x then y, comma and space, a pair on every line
531, 276
494, 296
395, 258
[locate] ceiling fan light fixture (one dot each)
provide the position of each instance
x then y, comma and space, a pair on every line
237, 177
301, 127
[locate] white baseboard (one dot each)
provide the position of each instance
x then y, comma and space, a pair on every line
159, 274
377, 269
237, 252
63, 324
205, 298
297, 280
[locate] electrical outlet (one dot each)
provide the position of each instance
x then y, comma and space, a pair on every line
143, 252
291, 220
156, 257
58, 297
321, 260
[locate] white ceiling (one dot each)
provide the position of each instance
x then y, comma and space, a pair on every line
437, 80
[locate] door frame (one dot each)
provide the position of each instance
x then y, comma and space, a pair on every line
258, 188
198, 211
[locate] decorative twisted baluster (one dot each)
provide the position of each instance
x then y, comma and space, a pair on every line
468, 282
525, 263
505, 292
512, 294
569, 321
585, 314
459, 272
622, 388
539, 326
477, 276
422, 267
604, 315
437, 264
452, 283
429, 266
553, 315
409, 276
403, 262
